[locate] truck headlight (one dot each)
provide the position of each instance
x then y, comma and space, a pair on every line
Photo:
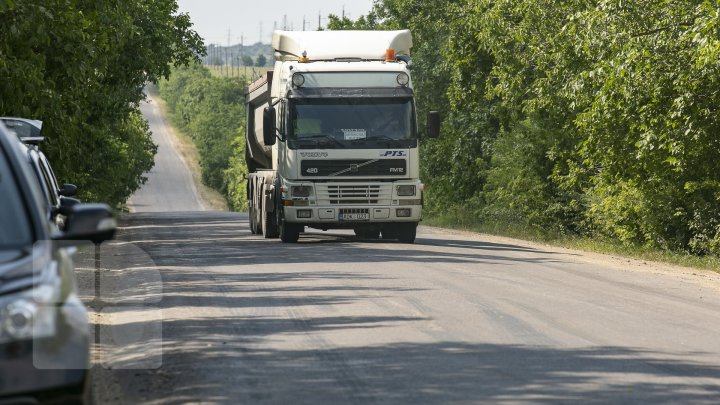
30, 314
403, 79
405, 191
300, 191
298, 80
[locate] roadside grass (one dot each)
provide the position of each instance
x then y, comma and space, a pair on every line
453, 219
250, 72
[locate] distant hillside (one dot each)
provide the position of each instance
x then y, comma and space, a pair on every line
235, 54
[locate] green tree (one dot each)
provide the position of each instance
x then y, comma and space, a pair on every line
261, 60
583, 117
632, 86
81, 68
212, 111
247, 60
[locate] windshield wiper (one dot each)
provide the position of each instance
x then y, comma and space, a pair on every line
391, 141
317, 138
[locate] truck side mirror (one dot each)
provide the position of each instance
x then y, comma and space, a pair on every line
433, 124
269, 126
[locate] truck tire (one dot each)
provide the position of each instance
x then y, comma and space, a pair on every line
406, 232
257, 230
289, 233
251, 211
252, 219
269, 225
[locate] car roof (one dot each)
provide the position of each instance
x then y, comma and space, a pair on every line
13, 150
36, 123
31, 133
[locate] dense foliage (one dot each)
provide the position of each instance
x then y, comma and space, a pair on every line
211, 110
80, 66
596, 118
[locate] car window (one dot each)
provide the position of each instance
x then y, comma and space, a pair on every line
15, 226
42, 180
48, 183
22, 129
50, 172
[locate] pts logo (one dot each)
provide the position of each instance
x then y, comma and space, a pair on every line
393, 153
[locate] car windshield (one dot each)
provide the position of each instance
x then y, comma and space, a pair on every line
352, 123
15, 228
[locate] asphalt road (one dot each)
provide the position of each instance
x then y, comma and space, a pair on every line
170, 185
195, 309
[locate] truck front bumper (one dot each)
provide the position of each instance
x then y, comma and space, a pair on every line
351, 216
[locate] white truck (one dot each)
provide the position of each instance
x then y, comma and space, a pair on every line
332, 137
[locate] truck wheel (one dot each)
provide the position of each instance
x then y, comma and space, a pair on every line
406, 233
366, 233
257, 224
269, 225
289, 233
252, 219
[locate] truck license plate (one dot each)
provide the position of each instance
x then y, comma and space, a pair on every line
355, 217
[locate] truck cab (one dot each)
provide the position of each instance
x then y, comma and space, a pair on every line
332, 139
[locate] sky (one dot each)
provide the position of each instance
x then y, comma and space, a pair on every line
216, 20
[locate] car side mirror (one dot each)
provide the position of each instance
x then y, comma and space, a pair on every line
89, 222
66, 205
68, 190
433, 124
269, 126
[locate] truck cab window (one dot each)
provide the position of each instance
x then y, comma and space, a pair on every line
362, 122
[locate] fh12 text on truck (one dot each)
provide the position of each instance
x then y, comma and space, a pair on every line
332, 137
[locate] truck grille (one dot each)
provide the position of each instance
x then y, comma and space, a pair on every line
340, 168
354, 194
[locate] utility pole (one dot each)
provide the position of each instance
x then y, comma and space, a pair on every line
319, 17
226, 54
343, 15
303, 23
261, 38
242, 55
285, 26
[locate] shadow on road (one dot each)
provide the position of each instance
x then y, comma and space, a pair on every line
224, 239
222, 359
417, 373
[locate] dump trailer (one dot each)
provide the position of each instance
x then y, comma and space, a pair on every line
332, 137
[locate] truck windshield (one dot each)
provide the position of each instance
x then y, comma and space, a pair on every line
362, 123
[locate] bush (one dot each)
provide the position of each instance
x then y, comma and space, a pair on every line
211, 110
